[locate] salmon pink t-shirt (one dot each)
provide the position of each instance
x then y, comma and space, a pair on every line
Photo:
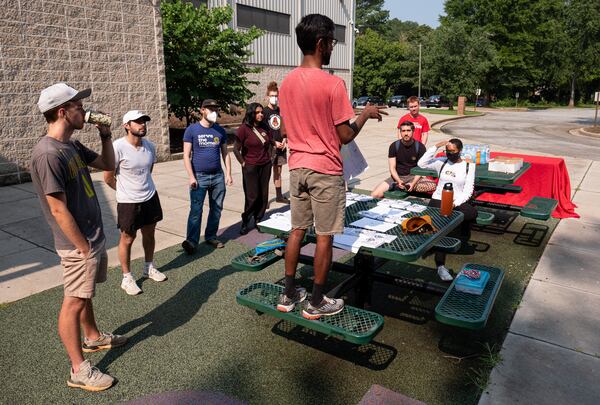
312, 103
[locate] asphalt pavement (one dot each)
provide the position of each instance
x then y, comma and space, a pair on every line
552, 351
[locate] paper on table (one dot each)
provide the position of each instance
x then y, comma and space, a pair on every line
416, 208
357, 197
390, 202
353, 238
279, 220
373, 224
386, 214
354, 161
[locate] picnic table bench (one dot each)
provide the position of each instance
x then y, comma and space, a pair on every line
466, 310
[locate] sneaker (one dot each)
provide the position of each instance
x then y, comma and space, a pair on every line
327, 307
154, 274
286, 304
130, 286
188, 247
216, 243
282, 200
444, 273
243, 229
104, 341
89, 378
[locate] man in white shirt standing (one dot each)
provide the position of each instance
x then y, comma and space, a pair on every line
138, 205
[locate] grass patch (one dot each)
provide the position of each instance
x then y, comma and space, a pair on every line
449, 112
188, 333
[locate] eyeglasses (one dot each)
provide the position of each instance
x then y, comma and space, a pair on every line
333, 41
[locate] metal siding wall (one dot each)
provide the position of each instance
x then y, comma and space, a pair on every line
274, 48
340, 12
282, 50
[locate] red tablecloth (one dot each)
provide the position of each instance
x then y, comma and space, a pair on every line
547, 177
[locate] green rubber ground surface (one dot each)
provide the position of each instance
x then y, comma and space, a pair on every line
188, 333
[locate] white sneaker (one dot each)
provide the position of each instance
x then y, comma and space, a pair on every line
130, 286
153, 274
444, 273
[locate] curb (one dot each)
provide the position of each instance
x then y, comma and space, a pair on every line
586, 133
444, 121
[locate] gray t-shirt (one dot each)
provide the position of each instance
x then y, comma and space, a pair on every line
62, 167
133, 170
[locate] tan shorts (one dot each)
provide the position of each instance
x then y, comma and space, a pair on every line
80, 274
319, 198
424, 185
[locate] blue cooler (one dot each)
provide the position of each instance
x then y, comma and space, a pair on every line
470, 286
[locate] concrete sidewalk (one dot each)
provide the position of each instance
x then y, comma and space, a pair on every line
551, 353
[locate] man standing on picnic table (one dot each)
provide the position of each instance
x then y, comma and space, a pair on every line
421, 132
316, 113
61, 178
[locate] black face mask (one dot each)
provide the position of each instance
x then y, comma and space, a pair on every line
453, 157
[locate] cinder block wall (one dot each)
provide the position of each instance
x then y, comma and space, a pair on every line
114, 47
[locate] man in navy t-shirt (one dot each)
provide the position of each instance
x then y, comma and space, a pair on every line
204, 144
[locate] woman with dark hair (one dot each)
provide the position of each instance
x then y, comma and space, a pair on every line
452, 169
252, 150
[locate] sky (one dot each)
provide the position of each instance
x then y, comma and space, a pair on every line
421, 11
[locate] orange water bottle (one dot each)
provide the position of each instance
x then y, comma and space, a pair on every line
447, 200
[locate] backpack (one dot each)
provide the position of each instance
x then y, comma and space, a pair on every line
442, 168
397, 146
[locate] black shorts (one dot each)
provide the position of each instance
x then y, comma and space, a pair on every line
133, 216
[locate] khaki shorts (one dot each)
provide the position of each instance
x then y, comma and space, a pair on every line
80, 274
424, 185
319, 198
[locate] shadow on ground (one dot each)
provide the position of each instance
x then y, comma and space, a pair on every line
189, 334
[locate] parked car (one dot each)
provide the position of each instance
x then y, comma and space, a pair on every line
397, 101
362, 101
422, 101
437, 101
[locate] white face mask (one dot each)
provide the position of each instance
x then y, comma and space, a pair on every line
273, 100
212, 117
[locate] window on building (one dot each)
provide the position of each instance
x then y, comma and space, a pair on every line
264, 19
340, 33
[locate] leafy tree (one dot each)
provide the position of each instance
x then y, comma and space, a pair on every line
370, 14
455, 61
408, 31
380, 64
203, 57
543, 46
582, 52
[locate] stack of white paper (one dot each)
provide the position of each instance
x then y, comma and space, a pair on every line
385, 214
416, 208
357, 197
389, 202
373, 224
279, 220
352, 239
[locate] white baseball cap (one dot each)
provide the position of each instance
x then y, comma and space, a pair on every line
134, 115
58, 94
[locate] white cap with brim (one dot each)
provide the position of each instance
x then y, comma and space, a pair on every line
134, 115
58, 94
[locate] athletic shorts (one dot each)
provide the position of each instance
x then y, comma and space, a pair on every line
317, 198
81, 273
133, 216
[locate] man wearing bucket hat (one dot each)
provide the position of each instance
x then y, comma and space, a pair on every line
61, 178
138, 205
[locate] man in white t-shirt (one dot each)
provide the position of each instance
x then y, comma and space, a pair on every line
138, 206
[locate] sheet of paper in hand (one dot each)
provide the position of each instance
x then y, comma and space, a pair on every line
354, 161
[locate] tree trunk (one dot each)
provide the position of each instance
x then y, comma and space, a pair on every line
572, 99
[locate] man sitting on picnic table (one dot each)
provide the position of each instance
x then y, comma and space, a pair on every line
403, 155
